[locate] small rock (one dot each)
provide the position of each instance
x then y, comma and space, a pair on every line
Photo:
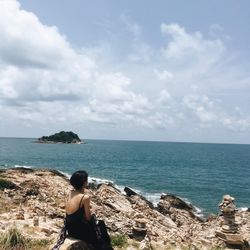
35, 221
74, 244
20, 216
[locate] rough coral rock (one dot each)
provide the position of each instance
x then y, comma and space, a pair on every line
168, 226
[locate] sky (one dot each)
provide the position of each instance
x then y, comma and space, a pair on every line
126, 70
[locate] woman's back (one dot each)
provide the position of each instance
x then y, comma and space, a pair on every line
79, 223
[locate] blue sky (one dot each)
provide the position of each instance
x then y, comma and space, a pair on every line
138, 70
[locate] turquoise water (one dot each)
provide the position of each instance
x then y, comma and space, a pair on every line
200, 173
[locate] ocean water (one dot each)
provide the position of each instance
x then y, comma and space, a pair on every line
198, 172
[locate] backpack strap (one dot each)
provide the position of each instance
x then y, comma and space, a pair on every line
61, 237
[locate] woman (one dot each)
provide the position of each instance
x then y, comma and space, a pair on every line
79, 221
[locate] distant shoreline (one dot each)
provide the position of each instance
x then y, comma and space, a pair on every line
56, 142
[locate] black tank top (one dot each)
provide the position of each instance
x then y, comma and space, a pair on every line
78, 215
78, 227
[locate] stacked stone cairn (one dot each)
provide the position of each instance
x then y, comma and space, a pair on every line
228, 210
229, 232
139, 228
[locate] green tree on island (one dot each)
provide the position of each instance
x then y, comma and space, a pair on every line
64, 137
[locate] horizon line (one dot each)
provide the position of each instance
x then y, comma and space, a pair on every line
137, 140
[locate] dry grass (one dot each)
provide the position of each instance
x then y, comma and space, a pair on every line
6, 184
14, 240
119, 240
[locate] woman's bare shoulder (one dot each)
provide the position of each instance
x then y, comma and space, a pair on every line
86, 197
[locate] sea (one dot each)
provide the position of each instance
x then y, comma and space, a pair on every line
200, 173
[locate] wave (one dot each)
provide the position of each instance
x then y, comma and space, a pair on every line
23, 166
65, 174
244, 209
152, 197
98, 181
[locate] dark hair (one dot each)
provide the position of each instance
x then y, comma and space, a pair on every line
78, 179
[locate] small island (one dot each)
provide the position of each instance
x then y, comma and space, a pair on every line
61, 137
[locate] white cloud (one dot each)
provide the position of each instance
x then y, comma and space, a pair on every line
164, 98
142, 53
44, 80
37, 61
209, 115
216, 30
192, 46
26, 42
163, 75
201, 107
7, 74
131, 26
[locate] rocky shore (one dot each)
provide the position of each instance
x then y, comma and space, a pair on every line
32, 200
